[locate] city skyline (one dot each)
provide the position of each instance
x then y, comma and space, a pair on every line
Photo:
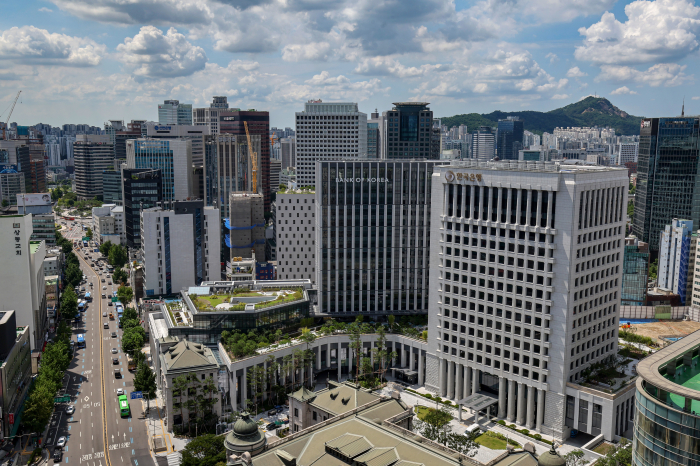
74, 59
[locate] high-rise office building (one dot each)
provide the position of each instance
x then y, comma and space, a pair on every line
510, 138
172, 112
228, 168
172, 157
181, 131
93, 155
296, 235
372, 236
635, 272
483, 143
525, 272
667, 176
233, 122
180, 247
328, 131
142, 189
675, 245
409, 132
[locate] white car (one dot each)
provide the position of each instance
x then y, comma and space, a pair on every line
120, 391
61, 442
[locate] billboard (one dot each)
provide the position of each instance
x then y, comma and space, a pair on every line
33, 199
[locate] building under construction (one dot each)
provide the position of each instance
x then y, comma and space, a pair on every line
246, 225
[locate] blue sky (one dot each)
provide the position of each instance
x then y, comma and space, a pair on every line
88, 61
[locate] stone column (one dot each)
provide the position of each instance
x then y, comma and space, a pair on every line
451, 380
511, 400
459, 390
467, 381
441, 378
475, 381
521, 404
530, 416
421, 377
502, 397
540, 410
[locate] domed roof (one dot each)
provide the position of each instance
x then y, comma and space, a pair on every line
551, 458
245, 426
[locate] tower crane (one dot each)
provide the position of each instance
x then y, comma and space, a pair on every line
253, 159
10, 114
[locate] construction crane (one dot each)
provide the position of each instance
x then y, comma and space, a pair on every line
10, 114
253, 159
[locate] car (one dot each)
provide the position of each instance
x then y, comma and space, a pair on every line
114, 334
271, 426
120, 391
104, 314
115, 361
61, 442
115, 350
70, 409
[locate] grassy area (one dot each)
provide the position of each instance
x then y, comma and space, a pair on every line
603, 448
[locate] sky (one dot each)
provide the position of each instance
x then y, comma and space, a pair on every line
89, 61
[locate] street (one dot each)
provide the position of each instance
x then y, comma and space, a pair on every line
97, 434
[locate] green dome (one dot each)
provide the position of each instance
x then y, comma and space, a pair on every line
245, 426
551, 458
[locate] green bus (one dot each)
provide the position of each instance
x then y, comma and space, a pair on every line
124, 406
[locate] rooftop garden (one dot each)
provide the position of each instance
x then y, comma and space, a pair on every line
237, 300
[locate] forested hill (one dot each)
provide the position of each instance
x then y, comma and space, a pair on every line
591, 111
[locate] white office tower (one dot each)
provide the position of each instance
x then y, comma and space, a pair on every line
328, 131
296, 235
180, 247
172, 112
22, 276
484, 143
629, 152
209, 116
172, 157
194, 133
525, 278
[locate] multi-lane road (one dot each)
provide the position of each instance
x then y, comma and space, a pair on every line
97, 433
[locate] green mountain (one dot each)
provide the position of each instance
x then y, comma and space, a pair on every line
591, 111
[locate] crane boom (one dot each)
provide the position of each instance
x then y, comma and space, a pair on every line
253, 159
10, 114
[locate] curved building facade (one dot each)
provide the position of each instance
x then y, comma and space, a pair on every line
667, 423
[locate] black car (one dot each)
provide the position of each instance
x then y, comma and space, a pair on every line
271, 426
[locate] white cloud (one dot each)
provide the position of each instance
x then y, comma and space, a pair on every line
655, 31
154, 54
43, 9
560, 96
622, 90
39, 46
575, 72
314, 51
666, 74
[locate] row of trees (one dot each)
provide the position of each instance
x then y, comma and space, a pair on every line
54, 363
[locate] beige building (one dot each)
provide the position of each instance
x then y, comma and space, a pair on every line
198, 362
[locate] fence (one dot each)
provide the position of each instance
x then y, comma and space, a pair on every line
653, 312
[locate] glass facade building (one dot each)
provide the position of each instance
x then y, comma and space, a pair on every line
667, 176
372, 236
667, 423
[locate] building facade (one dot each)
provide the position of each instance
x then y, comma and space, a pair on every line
92, 155
675, 245
667, 172
328, 131
172, 112
295, 213
174, 160
142, 188
180, 247
372, 236
525, 279
409, 132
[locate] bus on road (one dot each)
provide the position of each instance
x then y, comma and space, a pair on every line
81, 341
124, 406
